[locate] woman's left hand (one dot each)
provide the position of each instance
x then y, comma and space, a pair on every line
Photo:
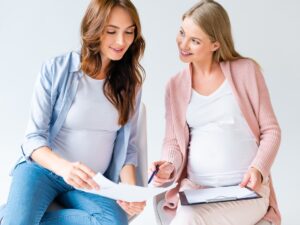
132, 208
252, 179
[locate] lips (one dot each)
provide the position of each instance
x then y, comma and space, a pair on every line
117, 50
185, 53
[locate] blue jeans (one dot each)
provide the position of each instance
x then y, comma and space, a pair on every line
34, 188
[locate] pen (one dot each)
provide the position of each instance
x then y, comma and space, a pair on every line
152, 175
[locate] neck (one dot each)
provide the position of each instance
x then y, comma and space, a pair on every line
103, 72
204, 69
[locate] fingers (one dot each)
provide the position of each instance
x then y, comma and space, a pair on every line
252, 180
86, 174
245, 180
164, 172
132, 208
155, 164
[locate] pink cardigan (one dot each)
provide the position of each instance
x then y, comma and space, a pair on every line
252, 95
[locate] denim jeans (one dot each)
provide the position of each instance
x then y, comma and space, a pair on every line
33, 189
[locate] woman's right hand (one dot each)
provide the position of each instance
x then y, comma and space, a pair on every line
165, 170
78, 175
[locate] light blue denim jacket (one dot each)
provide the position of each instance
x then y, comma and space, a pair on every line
53, 96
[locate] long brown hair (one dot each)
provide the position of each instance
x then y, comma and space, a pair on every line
124, 77
213, 19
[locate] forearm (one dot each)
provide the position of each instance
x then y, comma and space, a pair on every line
128, 174
45, 157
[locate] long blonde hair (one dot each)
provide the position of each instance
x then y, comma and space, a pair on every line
212, 18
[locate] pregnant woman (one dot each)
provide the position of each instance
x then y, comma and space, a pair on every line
220, 126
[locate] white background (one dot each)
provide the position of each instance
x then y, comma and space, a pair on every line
33, 31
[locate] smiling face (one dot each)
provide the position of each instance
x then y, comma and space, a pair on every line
118, 35
194, 44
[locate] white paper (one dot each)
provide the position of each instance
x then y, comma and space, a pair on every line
125, 192
218, 194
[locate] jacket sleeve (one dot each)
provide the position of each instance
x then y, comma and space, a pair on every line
36, 135
132, 152
170, 150
270, 132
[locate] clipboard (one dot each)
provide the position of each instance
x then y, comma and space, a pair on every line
217, 194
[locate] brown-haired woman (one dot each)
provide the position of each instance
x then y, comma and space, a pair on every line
83, 121
220, 126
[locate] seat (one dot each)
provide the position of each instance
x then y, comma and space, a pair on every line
142, 159
163, 218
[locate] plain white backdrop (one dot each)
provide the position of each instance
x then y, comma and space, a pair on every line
33, 31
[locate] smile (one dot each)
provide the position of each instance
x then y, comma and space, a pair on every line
118, 50
185, 53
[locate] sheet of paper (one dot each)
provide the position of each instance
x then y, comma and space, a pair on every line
125, 192
219, 193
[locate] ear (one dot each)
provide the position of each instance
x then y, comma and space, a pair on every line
215, 46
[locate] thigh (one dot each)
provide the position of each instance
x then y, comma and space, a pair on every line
102, 210
33, 188
246, 212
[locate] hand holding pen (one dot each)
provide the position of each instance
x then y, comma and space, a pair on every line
161, 172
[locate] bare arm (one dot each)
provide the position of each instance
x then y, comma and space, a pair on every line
75, 174
128, 174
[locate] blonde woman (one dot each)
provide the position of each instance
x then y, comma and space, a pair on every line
83, 121
220, 126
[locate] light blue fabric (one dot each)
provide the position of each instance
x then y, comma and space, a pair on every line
33, 188
54, 93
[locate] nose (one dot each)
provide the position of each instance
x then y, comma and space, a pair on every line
184, 44
120, 39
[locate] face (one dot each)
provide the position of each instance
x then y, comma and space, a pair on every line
118, 35
193, 43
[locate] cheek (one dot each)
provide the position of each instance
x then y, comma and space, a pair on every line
178, 39
130, 40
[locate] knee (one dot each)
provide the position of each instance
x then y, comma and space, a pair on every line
186, 217
17, 220
116, 217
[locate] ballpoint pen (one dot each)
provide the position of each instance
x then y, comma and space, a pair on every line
153, 174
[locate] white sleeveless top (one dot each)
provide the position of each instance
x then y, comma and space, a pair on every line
90, 129
222, 146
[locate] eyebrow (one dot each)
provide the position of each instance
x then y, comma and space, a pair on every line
191, 37
116, 27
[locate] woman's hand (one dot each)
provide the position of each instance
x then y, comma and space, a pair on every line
165, 170
252, 179
78, 175
132, 208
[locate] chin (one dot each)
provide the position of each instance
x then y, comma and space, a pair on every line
116, 58
184, 59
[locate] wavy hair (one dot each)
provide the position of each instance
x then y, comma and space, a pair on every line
125, 76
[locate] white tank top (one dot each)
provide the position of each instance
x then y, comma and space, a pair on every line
90, 129
222, 146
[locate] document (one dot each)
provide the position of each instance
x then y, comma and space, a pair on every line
218, 194
125, 192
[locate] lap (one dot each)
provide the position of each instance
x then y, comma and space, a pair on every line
102, 208
226, 213
32, 190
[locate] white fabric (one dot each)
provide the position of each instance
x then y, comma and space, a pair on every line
90, 129
222, 145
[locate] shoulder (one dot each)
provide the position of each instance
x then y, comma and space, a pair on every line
179, 79
69, 61
245, 64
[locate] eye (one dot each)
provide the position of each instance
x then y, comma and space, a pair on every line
110, 32
196, 42
129, 32
181, 33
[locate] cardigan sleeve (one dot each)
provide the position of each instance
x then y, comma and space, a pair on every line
270, 133
171, 150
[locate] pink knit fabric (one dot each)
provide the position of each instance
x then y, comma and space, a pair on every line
252, 95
